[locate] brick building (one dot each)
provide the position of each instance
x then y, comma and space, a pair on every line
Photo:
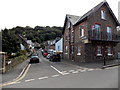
91, 37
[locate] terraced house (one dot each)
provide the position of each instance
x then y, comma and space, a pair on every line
91, 37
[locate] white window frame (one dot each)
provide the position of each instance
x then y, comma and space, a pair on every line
99, 49
58, 48
109, 50
109, 32
79, 51
103, 14
66, 49
82, 32
68, 25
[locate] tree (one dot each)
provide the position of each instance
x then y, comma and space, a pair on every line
10, 42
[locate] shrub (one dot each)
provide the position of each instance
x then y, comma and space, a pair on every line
22, 52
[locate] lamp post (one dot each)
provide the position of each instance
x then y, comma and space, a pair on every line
104, 57
104, 61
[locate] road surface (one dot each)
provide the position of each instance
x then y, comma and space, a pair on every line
47, 74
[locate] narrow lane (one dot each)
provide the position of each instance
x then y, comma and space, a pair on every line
45, 68
48, 74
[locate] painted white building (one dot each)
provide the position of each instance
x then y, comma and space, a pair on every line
22, 47
59, 45
30, 43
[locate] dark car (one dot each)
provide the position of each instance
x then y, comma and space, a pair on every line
34, 59
55, 57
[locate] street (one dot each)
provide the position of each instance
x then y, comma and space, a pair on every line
47, 74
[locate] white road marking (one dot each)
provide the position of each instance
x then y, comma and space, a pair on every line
75, 72
85, 68
43, 78
82, 70
56, 70
55, 75
66, 73
40, 59
71, 70
90, 69
79, 69
29, 80
98, 69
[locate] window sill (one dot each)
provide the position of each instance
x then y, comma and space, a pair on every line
110, 54
81, 36
99, 54
104, 19
79, 54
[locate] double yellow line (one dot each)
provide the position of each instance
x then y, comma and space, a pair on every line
20, 77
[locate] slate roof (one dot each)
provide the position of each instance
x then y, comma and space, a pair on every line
93, 10
75, 20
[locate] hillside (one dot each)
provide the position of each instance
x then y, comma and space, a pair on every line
11, 43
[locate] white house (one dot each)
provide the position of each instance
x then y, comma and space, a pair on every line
30, 43
59, 45
22, 47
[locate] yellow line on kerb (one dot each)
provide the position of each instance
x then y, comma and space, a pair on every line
13, 82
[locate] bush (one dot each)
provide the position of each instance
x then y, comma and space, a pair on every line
22, 52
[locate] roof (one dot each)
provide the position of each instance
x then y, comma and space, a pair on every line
72, 18
93, 10
75, 20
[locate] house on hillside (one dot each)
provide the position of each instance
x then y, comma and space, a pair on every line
91, 37
59, 45
50, 44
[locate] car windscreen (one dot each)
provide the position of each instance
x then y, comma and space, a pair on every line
34, 56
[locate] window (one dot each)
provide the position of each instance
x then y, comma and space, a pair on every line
103, 15
66, 49
58, 48
72, 49
66, 38
82, 31
109, 51
96, 31
99, 51
79, 51
68, 26
109, 33
72, 35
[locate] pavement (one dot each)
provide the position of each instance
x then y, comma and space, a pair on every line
14, 73
95, 65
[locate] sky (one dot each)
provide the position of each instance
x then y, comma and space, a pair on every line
44, 12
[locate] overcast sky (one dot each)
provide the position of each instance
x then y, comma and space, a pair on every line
44, 12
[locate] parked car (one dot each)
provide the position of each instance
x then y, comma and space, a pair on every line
45, 54
42, 51
55, 57
34, 59
48, 56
